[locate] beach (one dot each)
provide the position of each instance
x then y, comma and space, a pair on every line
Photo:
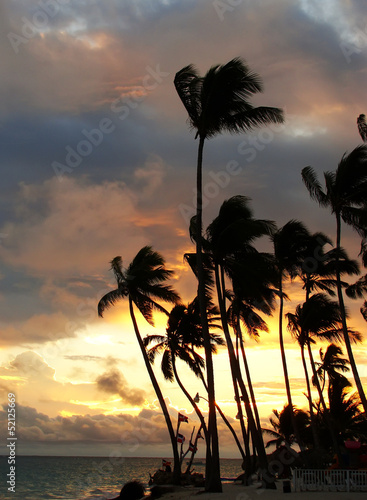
239, 492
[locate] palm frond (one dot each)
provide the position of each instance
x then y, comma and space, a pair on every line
357, 289
313, 186
188, 85
166, 365
110, 300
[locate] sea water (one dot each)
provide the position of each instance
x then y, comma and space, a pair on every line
85, 478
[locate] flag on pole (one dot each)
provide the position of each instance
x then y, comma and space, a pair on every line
180, 438
165, 463
192, 447
182, 418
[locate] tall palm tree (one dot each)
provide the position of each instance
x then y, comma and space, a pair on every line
345, 195
290, 244
143, 283
215, 103
229, 242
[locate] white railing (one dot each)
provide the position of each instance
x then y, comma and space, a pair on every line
329, 480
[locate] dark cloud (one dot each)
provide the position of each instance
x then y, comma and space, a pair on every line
113, 382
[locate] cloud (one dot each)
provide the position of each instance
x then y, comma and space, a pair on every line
34, 380
39, 329
113, 382
82, 357
134, 434
73, 230
32, 365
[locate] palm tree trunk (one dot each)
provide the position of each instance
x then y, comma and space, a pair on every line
176, 458
344, 320
212, 471
237, 377
312, 415
226, 421
248, 377
285, 367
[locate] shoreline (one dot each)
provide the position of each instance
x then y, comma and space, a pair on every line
233, 491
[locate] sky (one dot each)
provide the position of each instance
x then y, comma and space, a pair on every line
98, 160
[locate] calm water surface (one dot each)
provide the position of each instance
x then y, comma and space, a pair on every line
85, 478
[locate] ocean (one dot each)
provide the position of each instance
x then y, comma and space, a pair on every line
85, 478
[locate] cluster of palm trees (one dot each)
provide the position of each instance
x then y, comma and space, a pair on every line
238, 284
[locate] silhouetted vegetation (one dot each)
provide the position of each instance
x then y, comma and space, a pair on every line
239, 286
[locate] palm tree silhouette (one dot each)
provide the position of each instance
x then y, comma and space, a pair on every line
183, 335
331, 364
345, 195
215, 103
283, 431
319, 268
318, 317
362, 127
345, 412
229, 243
143, 283
290, 244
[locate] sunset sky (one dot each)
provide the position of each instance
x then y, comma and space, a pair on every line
98, 160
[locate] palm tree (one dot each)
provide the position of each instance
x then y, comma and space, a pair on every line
229, 242
331, 364
143, 283
345, 195
362, 127
283, 431
183, 334
345, 412
218, 102
290, 244
319, 267
318, 317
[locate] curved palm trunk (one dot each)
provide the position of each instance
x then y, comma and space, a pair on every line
248, 376
308, 385
237, 378
245, 434
344, 320
176, 458
212, 470
285, 367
